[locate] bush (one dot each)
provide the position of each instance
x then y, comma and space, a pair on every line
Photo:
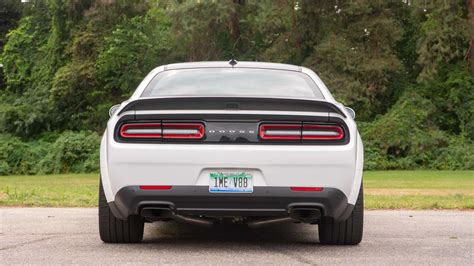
17, 157
406, 138
69, 152
72, 152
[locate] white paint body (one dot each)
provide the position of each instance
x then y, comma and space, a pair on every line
131, 164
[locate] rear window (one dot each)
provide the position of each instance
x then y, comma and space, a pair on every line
232, 82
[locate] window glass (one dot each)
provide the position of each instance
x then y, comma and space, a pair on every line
232, 82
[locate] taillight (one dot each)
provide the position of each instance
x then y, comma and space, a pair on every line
322, 132
300, 132
280, 131
183, 130
162, 130
141, 130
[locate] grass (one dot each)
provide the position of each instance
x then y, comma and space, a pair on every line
419, 189
70, 190
383, 190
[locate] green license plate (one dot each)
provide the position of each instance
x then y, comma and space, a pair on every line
230, 182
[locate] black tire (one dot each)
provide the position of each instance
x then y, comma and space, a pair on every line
348, 232
113, 230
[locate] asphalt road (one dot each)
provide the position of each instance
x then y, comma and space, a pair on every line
69, 235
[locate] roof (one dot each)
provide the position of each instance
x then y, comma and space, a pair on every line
240, 64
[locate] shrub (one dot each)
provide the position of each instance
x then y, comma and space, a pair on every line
17, 157
406, 138
72, 152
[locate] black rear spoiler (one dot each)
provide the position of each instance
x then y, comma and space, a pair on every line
231, 103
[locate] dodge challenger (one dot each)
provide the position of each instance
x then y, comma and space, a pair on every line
231, 142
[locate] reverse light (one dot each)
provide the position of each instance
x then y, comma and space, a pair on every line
322, 132
141, 130
280, 131
183, 130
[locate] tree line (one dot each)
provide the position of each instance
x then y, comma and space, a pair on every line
405, 66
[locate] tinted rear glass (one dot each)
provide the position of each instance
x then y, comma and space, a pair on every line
232, 82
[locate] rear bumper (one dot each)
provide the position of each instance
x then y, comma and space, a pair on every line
197, 200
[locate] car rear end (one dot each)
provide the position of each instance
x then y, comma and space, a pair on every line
254, 159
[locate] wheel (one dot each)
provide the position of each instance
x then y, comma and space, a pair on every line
113, 230
348, 232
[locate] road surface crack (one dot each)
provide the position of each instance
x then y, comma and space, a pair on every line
27, 243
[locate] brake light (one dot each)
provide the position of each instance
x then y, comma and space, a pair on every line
300, 132
183, 131
280, 131
163, 130
322, 132
141, 130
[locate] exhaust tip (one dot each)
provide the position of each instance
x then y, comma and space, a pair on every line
156, 213
309, 215
165, 212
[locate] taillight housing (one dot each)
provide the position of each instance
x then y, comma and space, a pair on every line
185, 131
322, 132
280, 131
301, 131
141, 130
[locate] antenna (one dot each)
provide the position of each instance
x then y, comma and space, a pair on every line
233, 62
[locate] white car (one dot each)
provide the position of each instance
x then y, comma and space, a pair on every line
243, 142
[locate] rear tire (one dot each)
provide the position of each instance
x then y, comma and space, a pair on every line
113, 230
348, 232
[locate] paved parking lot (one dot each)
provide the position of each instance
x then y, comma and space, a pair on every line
69, 235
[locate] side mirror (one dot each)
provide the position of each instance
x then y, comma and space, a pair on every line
351, 112
113, 109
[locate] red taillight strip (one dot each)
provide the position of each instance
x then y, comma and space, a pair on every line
133, 130
156, 187
183, 130
280, 131
322, 132
315, 189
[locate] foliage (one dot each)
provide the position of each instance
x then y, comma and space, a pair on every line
407, 138
68, 152
135, 47
403, 65
438, 43
73, 152
358, 68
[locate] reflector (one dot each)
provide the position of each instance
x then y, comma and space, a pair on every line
306, 188
156, 187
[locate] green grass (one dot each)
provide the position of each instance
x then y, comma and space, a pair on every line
419, 189
420, 179
70, 190
383, 190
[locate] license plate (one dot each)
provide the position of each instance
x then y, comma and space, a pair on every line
230, 182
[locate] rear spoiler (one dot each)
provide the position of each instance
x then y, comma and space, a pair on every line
231, 103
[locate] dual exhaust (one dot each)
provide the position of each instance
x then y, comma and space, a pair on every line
304, 214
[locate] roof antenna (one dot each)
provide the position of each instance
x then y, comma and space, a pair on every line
233, 62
